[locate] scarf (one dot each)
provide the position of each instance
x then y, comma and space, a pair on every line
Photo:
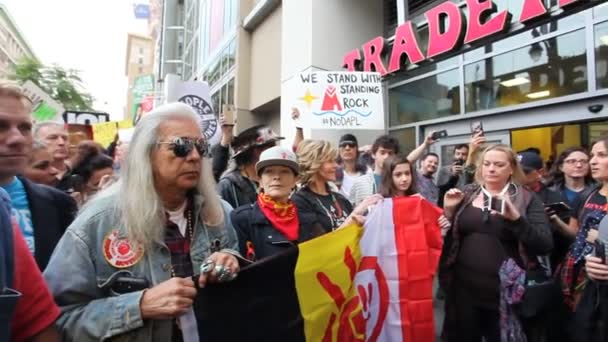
512, 288
283, 217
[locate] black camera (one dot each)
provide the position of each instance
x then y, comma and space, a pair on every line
458, 162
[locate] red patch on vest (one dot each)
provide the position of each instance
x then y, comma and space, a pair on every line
121, 253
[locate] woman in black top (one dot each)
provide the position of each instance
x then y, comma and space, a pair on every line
318, 165
273, 222
490, 220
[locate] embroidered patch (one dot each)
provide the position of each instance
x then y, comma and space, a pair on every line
121, 253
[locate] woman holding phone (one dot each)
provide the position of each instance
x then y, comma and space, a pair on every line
490, 220
584, 260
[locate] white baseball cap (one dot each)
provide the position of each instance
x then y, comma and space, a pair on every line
278, 155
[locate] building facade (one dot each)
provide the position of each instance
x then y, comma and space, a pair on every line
537, 78
13, 45
534, 73
139, 67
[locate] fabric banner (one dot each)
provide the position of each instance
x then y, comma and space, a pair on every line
355, 284
104, 132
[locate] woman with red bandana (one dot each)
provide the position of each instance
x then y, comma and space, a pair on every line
273, 223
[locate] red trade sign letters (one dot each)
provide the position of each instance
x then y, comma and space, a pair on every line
448, 30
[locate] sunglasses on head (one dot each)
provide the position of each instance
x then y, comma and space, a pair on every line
348, 144
182, 146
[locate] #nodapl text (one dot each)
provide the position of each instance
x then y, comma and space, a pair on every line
483, 22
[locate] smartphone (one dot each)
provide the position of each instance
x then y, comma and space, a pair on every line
439, 134
477, 128
75, 183
458, 162
497, 205
229, 114
129, 284
558, 207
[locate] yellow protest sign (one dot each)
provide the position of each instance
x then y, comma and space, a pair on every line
104, 133
125, 124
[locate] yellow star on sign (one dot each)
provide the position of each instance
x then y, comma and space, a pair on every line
308, 98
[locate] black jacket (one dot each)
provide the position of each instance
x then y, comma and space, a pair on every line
52, 212
255, 230
237, 190
306, 203
220, 156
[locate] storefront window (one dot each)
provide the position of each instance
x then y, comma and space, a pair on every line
600, 11
601, 55
429, 98
547, 69
407, 139
508, 43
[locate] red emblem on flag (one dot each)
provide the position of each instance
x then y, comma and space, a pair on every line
121, 253
331, 100
362, 314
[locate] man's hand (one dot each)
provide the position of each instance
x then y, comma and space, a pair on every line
169, 299
428, 141
221, 267
227, 131
476, 142
596, 270
457, 169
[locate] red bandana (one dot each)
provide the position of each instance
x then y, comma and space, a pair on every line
283, 217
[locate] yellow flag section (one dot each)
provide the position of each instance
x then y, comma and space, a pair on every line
104, 133
125, 124
324, 277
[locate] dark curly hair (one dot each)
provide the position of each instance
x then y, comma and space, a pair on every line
90, 158
556, 175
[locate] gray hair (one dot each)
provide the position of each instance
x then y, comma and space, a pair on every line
138, 204
38, 145
40, 125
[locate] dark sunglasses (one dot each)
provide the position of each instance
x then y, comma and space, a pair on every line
182, 146
348, 144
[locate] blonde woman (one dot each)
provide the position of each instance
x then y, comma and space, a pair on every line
490, 221
317, 159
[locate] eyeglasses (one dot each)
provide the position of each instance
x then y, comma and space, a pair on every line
576, 161
182, 146
348, 144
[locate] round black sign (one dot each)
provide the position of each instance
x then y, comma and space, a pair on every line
208, 119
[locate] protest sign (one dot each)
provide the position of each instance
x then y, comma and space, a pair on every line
143, 99
338, 100
104, 132
44, 108
196, 94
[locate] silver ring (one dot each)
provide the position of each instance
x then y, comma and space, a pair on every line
219, 269
207, 266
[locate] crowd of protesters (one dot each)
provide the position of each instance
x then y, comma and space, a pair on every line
97, 243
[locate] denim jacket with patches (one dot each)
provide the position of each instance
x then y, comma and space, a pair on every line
78, 267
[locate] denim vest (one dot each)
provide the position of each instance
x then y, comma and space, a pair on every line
78, 267
8, 296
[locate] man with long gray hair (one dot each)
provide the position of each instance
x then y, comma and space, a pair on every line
126, 264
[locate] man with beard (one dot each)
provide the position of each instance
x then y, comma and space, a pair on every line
451, 175
425, 182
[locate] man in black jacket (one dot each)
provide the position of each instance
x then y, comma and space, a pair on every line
238, 186
43, 213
